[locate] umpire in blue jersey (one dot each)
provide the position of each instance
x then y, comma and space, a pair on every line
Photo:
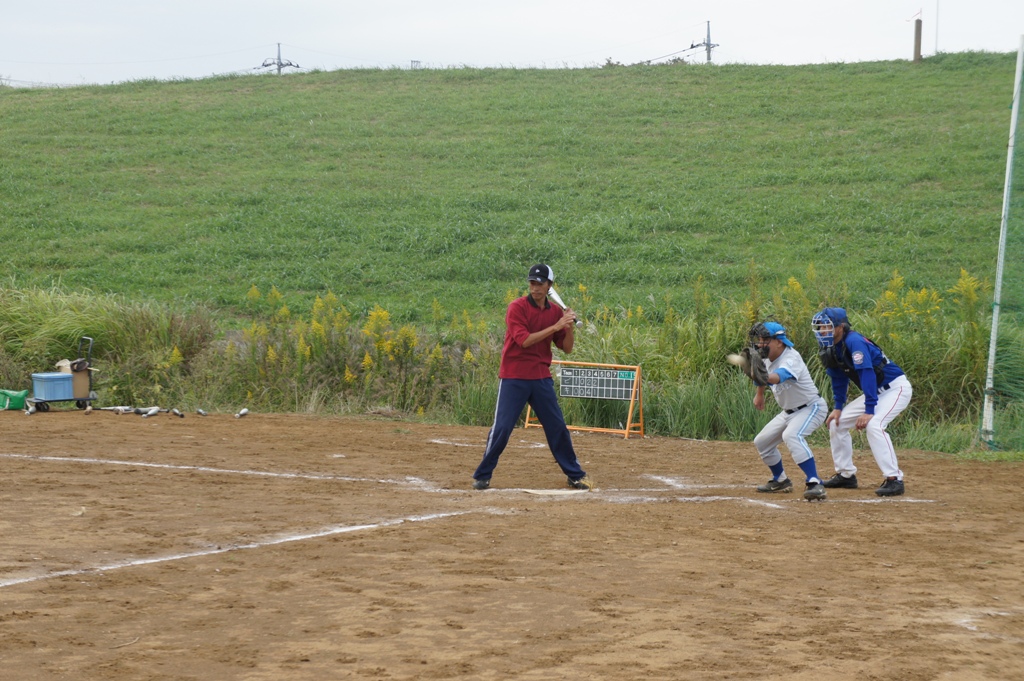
886, 392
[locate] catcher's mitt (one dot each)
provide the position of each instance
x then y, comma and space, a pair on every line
753, 366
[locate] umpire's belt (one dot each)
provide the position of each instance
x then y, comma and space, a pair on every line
793, 411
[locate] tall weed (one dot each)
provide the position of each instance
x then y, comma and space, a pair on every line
328, 360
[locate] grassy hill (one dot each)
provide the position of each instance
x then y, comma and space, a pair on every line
397, 187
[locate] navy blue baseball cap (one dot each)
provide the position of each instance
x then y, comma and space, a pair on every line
836, 315
541, 273
778, 331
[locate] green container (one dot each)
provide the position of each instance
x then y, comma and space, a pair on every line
12, 399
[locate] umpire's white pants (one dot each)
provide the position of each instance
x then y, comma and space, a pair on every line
792, 429
890, 403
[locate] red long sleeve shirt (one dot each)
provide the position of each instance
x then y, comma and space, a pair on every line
523, 318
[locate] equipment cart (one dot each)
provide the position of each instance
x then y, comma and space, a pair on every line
65, 387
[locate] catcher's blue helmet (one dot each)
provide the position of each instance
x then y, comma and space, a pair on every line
776, 330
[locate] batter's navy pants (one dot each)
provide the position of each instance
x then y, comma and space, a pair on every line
513, 394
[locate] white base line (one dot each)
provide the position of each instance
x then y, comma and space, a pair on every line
204, 469
327, 532
523, 444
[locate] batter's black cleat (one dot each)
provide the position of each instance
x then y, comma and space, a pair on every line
815, 492
776, 486
482, 484
839, 480
584, 483
891, 487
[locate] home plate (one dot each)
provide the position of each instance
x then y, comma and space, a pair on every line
554, 492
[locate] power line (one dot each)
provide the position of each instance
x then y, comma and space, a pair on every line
139, 61
672, 54
707, 45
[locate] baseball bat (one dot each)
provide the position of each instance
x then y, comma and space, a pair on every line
553, 295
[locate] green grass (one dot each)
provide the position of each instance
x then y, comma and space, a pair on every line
675, 202
397, 187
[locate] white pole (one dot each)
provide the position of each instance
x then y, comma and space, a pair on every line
987, 418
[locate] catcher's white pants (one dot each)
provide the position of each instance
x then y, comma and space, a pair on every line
792, 429
890, 403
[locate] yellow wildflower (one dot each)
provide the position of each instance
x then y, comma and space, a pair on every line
302, 347
318, 330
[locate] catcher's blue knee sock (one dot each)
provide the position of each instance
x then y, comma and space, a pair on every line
777, 471
810, 470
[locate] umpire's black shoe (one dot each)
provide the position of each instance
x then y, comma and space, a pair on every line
891, 487
839, 480
773, 486
483, 483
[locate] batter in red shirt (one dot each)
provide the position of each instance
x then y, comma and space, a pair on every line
533, 324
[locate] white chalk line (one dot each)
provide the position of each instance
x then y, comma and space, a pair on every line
523, 444
326, 532
413, 481
969, 621
682, 483
673, 483
883, 500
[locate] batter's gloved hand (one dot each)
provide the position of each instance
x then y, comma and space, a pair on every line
753, 366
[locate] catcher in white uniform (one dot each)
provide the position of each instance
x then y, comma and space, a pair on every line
803, 408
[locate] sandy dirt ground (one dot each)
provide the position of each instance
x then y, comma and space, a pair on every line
294, 547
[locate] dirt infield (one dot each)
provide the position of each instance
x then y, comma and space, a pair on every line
291, 547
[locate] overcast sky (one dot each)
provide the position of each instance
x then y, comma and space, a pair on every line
68, 42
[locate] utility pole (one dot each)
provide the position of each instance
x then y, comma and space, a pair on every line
706, 44
917, 40
278, 62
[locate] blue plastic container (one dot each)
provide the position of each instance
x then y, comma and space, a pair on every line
52, 387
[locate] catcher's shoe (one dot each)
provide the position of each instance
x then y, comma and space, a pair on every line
776, 486
815, 492
582, 483
891, 487
839, 480
482, 484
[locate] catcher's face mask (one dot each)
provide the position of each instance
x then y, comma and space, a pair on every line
759, 337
